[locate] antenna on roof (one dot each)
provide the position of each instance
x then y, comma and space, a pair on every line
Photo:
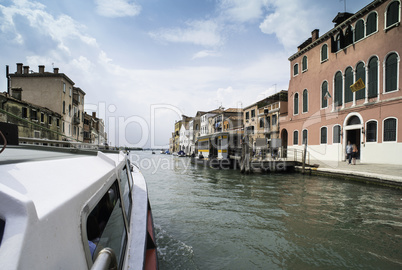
344, 3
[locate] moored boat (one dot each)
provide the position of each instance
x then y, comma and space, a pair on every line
70, 209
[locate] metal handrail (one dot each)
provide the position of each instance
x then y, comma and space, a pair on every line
106, 260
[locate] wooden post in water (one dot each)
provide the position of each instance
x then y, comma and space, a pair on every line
304, 155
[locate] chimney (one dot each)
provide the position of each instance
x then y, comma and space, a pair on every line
26, 69
19, 68
41, 69
16, 93
93, 114
56, 70
315, 35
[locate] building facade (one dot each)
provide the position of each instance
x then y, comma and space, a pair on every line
324, 112
60, 96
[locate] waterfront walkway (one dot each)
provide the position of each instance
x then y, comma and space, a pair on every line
385, 174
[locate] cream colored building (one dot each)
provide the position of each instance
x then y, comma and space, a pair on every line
55, 91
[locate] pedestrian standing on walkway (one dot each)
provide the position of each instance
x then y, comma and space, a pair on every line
354, 154
349, 150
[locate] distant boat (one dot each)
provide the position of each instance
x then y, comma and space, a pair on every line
181, 153
153, 153
162, 152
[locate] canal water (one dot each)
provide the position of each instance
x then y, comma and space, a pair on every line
221, 219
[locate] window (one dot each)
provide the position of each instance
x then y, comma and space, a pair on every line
34, 115
305, 139
126, 186
261, 122
337, 134
274, 119
24, 112
64, 107
64, 87
324, 95
391, 72
323, 135
42, 117
70, 91
324, 52
58, 122
295, 137
304, 63
268, 122
69, 110
295, 69
348, 83
359, 30
252, 113
371, 131
392, 14
390, 130
305, 101
371, 23
296, 104
112, 233
361, 73
49, 119
373, 77
247, 115
338, 89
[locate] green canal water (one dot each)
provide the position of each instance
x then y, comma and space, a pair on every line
221, 219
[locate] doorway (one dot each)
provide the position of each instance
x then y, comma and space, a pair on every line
353, 136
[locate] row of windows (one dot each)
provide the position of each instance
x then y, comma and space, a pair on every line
342, 82
362, 29
371, 131
33, 115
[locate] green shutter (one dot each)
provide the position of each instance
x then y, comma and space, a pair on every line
324, 90
371, 24
359, 31
391, 68
390, 130
360, 73
373, 78
305, 100
338, 89
392, 13
348, 83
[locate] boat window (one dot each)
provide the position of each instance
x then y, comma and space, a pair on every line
2, 226
105, 225
125, 186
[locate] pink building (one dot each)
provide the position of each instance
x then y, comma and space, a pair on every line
323, 110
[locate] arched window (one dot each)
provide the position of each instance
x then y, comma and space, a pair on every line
338, 42
371, 131
391, 72
296, 104
348, 83
371, 23
295, 69
337, 134
324, 52
373, 77
295, 137
304, 63
305, 101
338, 89
305, 135
359, 30
323, 135
324, 94
353, 120
361, 73
392, 14
390, 130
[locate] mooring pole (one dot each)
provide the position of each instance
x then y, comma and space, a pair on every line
304, 155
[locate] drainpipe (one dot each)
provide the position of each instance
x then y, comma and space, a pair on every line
8, 80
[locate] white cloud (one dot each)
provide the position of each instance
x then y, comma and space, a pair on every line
200, 32
243, 11
291, 22
117, 8
205, 53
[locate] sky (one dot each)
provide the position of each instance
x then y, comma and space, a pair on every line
144, 63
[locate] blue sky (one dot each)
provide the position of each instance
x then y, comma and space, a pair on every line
143, 63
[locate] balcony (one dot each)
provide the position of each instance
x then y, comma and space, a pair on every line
76, 120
